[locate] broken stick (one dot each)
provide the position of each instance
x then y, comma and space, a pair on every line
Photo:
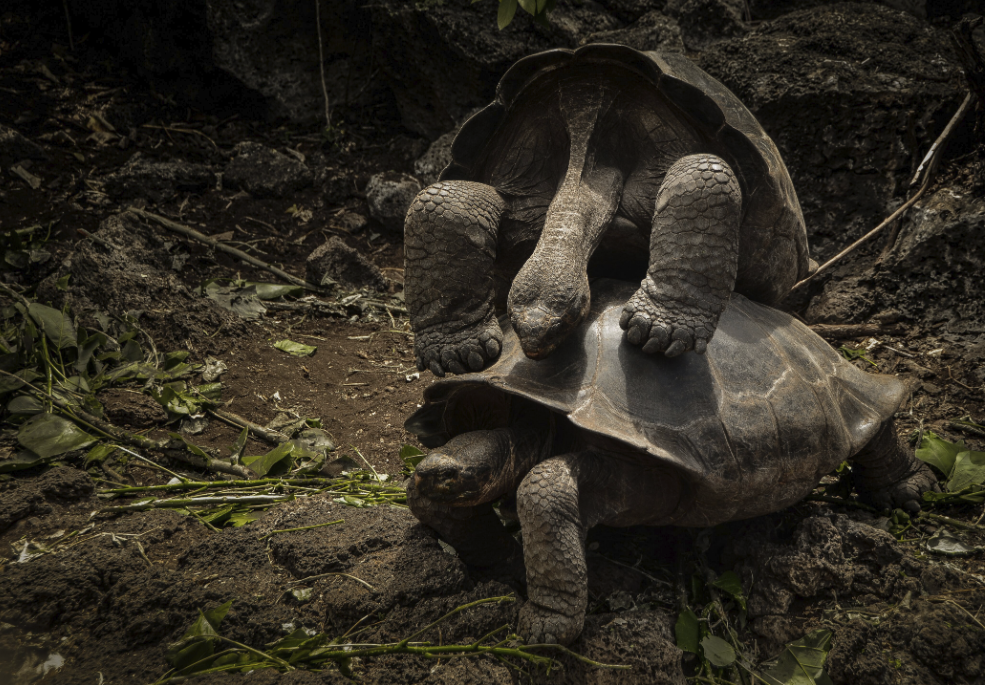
189, 232
930, 165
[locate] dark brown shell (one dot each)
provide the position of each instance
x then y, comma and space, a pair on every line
767, 411
774, 238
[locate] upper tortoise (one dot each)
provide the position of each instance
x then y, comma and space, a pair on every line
609, 152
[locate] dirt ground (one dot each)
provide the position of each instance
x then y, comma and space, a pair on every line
103, 606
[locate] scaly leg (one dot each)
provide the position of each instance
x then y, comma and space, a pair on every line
558, 501
450, 239
889, 475
694, 249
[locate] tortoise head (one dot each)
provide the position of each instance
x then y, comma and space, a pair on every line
546, 305
464, 471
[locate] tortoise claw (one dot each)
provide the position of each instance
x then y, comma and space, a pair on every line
669, 327
444, 349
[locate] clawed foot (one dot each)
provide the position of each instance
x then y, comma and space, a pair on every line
444, 348
669, 327
539, 625
906, 493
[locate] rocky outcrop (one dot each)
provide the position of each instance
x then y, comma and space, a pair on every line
853, 95
259, 56
336, 262
389, 196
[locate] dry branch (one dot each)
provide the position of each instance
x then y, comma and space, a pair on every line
928, 177
189, 232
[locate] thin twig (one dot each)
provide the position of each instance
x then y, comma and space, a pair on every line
265, 434
951, 601
189, 232
949, 521
842, 502
928, 177
199, 501
321, 66
319, 576
68, 23
294, 530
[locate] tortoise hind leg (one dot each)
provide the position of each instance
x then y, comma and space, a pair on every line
889, 475
558, 501
450, 237
694, 253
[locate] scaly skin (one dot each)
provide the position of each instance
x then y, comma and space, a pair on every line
558, 501
694, 248
450, 245
888, 475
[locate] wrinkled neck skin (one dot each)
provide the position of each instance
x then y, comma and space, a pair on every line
483, 465
550, 294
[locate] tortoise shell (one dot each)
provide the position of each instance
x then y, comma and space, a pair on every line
752, 425
656, 108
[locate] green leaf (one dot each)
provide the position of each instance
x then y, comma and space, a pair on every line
212, 391
969, 469
687, 631
939, 453
98, 453
802, 662
411, 456
87, 348
25, 404
132, 352
507, 8
242, 301
529, 6
240, 518
240, 444
62, 283
273, 291
172, 359
8, 384
199, 640
729, 583
718, 651
24, 459
57, 326
295, 348
48, 435
273, 463
197, 451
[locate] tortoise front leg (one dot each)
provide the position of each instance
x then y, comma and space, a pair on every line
558, 501
694, 249
450, 239
475, 532
889, 475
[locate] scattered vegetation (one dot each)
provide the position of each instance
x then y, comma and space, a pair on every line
196, 653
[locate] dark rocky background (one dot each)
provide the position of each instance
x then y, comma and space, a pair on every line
212, 112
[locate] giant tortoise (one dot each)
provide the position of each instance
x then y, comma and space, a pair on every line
601, 433
639, 162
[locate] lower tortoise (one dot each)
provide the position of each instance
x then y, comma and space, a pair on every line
601, 433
